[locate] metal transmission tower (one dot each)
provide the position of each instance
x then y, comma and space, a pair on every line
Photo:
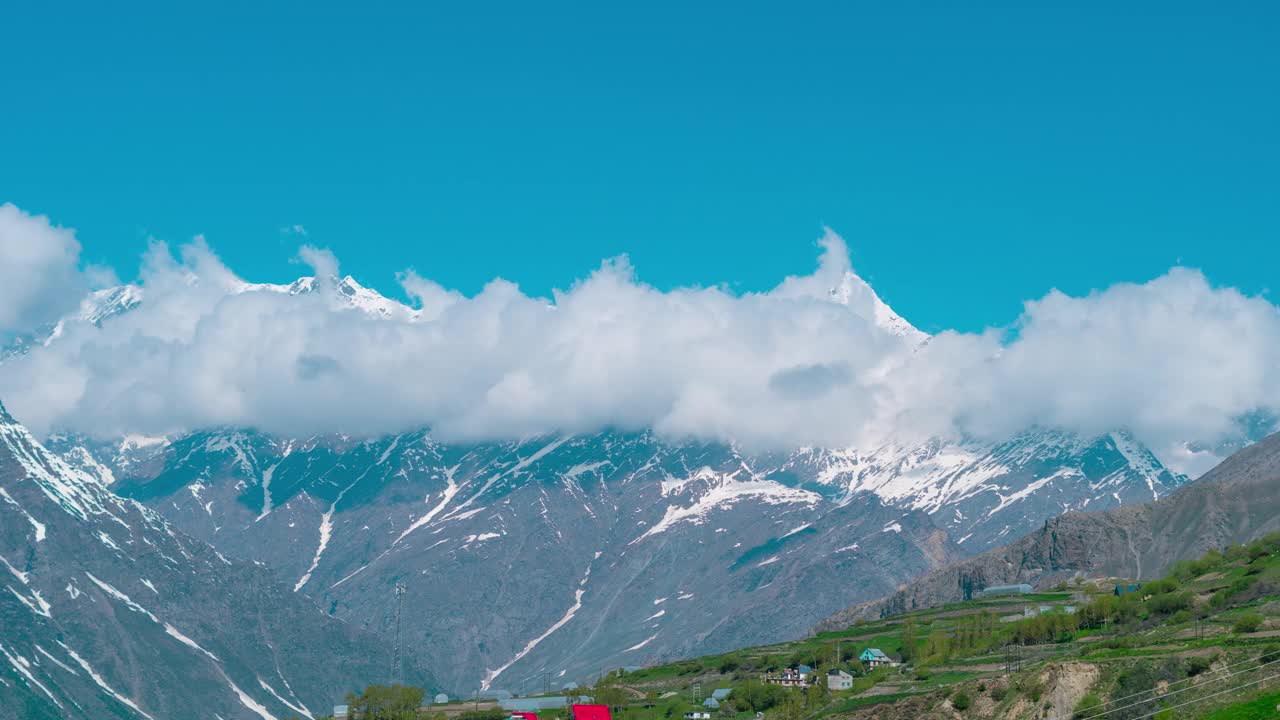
397, 665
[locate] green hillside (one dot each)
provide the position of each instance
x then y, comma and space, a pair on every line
1186, 646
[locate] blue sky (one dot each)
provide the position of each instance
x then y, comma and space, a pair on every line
973, 155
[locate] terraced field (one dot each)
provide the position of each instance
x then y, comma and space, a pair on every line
1202, 642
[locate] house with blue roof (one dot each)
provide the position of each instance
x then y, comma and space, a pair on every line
874, 658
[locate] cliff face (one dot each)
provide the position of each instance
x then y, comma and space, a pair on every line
1235, 502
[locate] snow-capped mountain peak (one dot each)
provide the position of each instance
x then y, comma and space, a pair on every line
346, 291
858, 295
110, 302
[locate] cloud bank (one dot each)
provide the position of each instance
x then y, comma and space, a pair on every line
817, 361
40, 276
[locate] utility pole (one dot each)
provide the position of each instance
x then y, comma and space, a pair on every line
397, 665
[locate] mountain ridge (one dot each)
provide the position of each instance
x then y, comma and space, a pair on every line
777, 538
1237, 501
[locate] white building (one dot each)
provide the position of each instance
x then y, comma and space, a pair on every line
839, 680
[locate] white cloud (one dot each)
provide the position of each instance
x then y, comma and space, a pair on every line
1172, 360
40, 276
819, 360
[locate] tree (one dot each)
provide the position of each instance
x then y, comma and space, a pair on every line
815, 696
755, 696
607, 692
792, 707
937, 646
908, 649
380, 702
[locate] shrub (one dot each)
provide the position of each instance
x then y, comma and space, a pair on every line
1270, 653
1159, 587
1247, 623
1259, 589
1197, 665
998, 692
1169, 602
961, 701
1032, 688
1089, 705
1138, 681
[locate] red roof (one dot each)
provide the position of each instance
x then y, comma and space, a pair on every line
591, 712
526, 716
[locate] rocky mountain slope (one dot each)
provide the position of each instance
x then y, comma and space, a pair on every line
107, 611
1237, 501
545, 560
603, 550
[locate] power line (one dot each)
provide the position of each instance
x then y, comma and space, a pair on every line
1178, 682
1206, 697
1175, 692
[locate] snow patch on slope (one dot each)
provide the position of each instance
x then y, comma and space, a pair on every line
564, 620
724, 490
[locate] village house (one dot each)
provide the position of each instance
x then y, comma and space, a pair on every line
799, 677
874, 658
839, 680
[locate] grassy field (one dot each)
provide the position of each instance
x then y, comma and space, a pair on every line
1260, 708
